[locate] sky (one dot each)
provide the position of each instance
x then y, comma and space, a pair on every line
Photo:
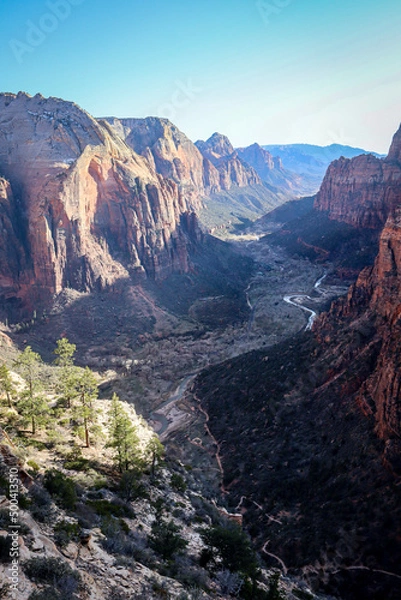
266, 71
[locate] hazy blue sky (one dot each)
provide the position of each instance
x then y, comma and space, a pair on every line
275, 71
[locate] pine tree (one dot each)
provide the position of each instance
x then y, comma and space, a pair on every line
123, 438
87, 393
31, 403
68, 381
6, 384
155, 451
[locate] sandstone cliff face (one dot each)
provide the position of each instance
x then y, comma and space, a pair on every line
170, 153
13, 260
371, 312
270, 168
219, 151
198, 169
94, 210
362, 191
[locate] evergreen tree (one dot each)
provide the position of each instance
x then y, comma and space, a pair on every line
6, 384
123, 438
31, 403
68, 380
155, 451
84, 410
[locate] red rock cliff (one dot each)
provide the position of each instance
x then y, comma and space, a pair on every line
370, 316
362, 191
91, 209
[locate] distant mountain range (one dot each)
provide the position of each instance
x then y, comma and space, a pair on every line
311, 161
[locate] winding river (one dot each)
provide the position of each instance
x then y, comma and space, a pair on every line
297, 299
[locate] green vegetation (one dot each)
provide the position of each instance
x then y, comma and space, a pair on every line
6, 385
61, 488
84, 411
67, 384
229, 546
31, 403
66, 532
123, 438
165, 539
65, 583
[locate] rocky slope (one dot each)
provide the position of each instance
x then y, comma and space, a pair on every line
87, 209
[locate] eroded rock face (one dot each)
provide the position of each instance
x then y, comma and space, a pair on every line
90, 209
371, 314
362, 191
270, 168
366, 192
198, 169
169, 151
219, 151
13, 259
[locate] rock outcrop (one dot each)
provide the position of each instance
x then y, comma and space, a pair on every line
88, 209
170, 153
13, 258
233, 171
198, 169
362, 191
270, 168
371, 312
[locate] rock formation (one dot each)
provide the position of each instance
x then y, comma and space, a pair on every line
270, 168
87, 209
199, 169
219, 151
366, 192
362, 191
170, 153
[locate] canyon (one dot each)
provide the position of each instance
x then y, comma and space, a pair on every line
106, 240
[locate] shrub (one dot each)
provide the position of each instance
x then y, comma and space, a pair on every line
4, 590
165, 539
47, 570
41, 506
33, 466
87, 517
130, 487
230, 583
178, 483
105, 508
63, 582
274, 592
232, 546
65, 532
61, 488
